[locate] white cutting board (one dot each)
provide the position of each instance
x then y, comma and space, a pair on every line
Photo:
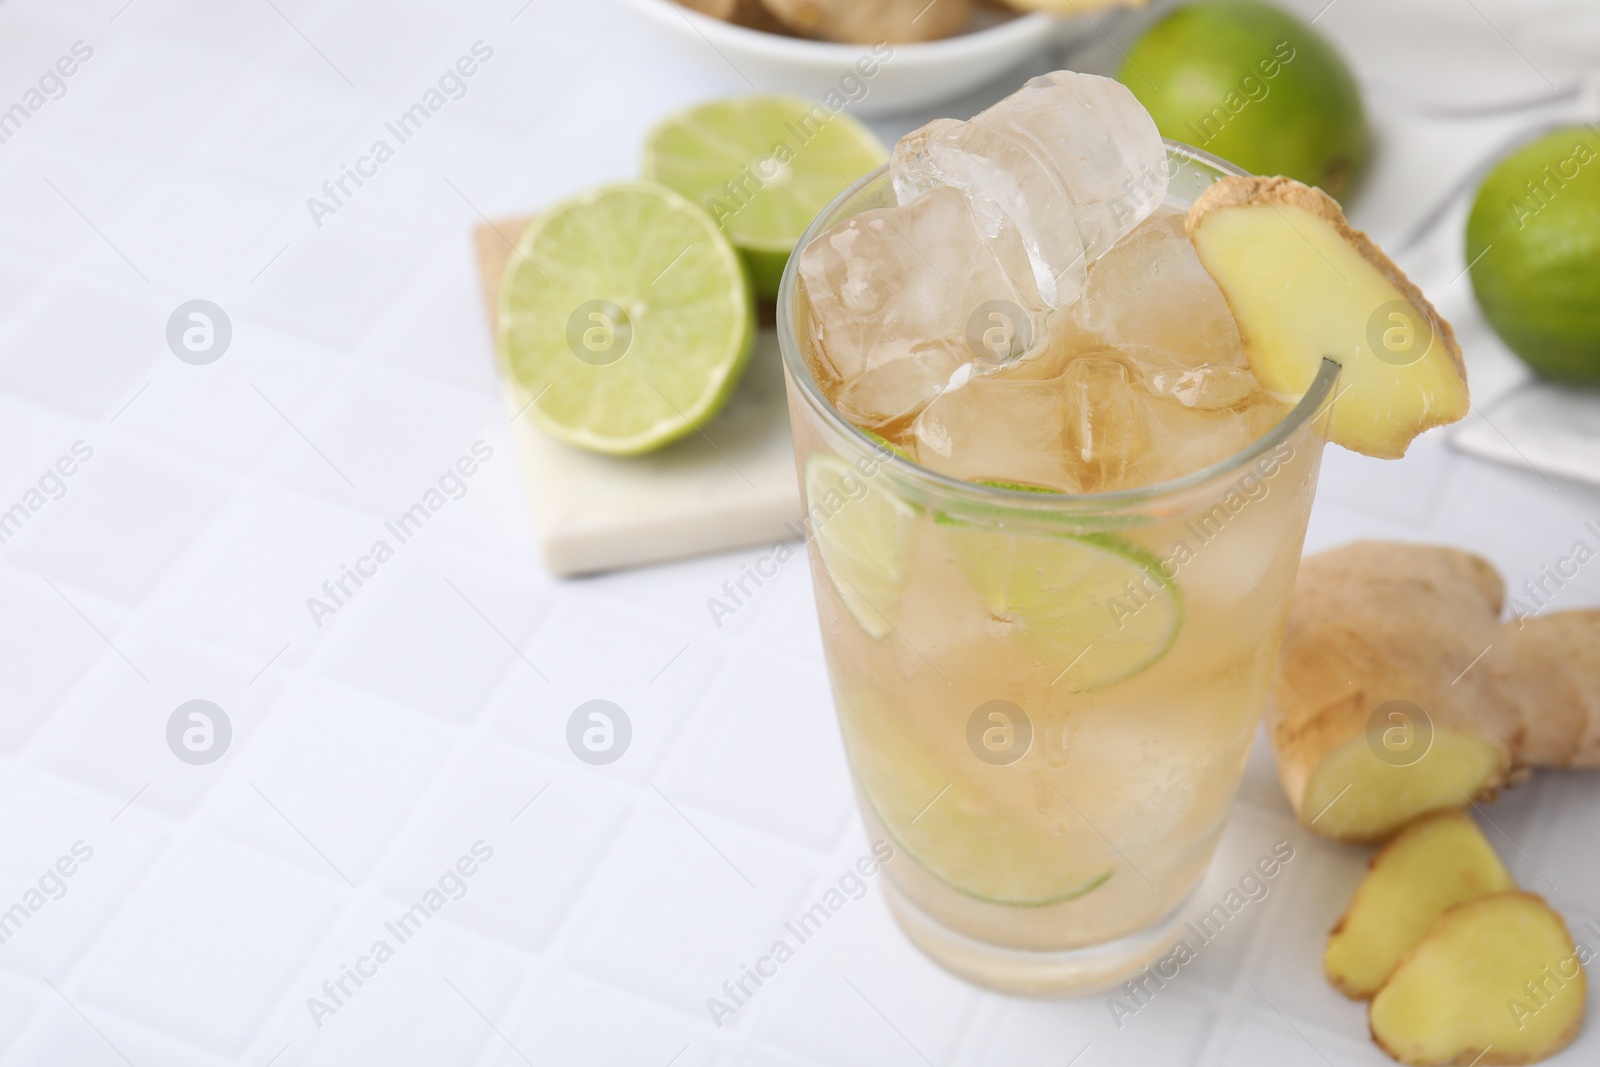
729, 485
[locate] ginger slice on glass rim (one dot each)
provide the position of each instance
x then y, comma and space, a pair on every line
1304, 286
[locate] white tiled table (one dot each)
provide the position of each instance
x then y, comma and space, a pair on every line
428, 713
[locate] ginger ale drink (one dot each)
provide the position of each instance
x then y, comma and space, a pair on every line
1053, 522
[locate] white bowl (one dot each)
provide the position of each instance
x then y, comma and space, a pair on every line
913, 76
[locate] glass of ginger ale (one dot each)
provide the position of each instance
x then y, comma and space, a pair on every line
1051, 596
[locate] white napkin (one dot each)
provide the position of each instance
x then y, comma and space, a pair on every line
1462, 55
1547, 428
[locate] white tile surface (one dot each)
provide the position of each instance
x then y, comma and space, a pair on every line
549, 828
16, 1007
755, 1054
101, 347
193, 230
329, 783
289, 132
332, 284
208, 947
55, 202
1169, 1030
430, 710
247, 577
69, 865
420, 1006
128, 516
152, 95
858, 993
222, 412
94, 1039
436, 634
368, 448
244, 29
755, 753
46, 646
111, 734
1265, 1038
654, 672
596, 1026
702, 892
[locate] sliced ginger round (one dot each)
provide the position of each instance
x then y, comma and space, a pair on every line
1496, 980
1432, 865
1303, 286
1361, 797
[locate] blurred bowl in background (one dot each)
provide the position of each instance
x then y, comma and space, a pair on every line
913, 76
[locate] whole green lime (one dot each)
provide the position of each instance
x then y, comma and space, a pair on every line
1253, 84
1533, 239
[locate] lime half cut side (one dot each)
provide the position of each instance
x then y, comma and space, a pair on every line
1096, 607
942, 820
863, 532
625, 318
763, 167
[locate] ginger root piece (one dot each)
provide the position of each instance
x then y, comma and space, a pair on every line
1303, 286
717, 9
1400, 691
872, 21
1497, 980
1558, 687
1435, 863
1071, 7
748, 13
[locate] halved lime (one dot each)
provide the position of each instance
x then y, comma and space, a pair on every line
863, 532
763, 167
1098, 607
625, 318
937, 813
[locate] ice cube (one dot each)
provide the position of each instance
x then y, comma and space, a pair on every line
885, 395
904, 298
1150, 298
1072, 160
1106, 431
1181, 440
997, 429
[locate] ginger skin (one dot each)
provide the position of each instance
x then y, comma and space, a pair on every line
1380, 631
871, 21
1070, 7
750, 13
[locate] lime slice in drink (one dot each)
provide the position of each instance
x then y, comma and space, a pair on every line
763, 167
995, 859
1096, 607
863, 532
935, 811
624, 319
1019, 487
883, 444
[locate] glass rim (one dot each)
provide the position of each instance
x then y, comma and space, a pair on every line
1309, 405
